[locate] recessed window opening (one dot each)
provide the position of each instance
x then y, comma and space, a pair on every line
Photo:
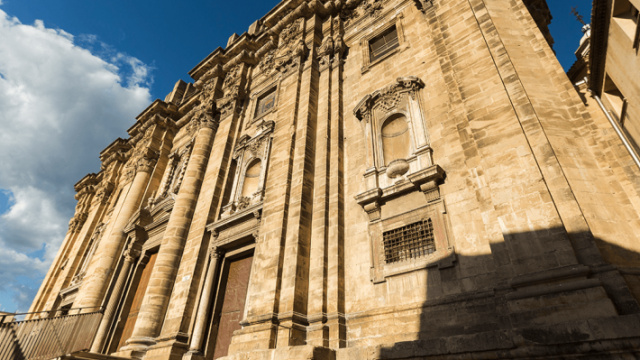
383, 44
614, 97
409, 242
266, 102
627, 17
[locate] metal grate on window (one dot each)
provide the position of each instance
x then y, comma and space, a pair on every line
409, 242
383, 44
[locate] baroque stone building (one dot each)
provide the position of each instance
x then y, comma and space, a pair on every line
363, 179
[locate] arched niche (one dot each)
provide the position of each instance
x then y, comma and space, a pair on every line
251, 181
251, 159
396, 138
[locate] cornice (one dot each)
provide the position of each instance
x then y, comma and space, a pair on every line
116, 151
266, 30
88, 180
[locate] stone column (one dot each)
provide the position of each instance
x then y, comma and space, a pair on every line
129, 257
163, 275
195, 347
91, 293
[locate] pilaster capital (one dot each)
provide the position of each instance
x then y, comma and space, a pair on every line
216, 252
77, 221
104, 192
147, 162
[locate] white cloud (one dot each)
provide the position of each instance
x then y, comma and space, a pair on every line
61, 105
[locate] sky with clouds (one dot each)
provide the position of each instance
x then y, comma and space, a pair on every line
73, 76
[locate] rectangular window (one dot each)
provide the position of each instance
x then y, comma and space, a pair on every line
383, 44
628, 18
266, 102
409, 242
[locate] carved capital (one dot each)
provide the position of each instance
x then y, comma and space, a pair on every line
104, 193
77, 221
130, 255
204, 117
147, 162
216, 252
423, 5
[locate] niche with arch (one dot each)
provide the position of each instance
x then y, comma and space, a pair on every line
408, 231
251, 159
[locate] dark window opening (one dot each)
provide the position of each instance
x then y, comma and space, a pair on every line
383, 44
409, 242
266, 102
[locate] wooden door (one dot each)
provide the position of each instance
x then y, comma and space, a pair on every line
233, 297
137, 301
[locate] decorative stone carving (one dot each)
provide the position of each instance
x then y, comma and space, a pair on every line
174, 174
325, 51
423, 5
232, 78
216, 252
131, 253
267, 63
392, 174
88, 253
128, 174
104, 193
388, 97
77, 221
248, 151
147, 162
372, 8
290, 32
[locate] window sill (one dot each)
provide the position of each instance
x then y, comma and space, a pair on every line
442, 259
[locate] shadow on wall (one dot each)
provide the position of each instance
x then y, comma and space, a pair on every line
527, 299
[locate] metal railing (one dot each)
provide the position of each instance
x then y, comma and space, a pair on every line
47, 338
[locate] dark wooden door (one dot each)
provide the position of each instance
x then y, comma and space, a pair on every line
235, 283
137, 301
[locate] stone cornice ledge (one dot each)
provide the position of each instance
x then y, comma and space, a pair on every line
416, 180
275, 21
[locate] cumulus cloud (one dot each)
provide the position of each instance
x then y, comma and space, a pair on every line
62, 103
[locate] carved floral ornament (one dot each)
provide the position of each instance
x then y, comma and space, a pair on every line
332, 48
104, 193
388, 97
291, 51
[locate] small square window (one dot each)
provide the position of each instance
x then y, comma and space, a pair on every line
265, 103
383, 44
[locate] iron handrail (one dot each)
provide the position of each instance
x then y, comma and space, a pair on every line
47, 338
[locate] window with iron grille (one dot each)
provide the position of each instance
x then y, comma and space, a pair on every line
266, 102
409, 242
383, 44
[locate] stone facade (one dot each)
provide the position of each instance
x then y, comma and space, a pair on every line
364, 179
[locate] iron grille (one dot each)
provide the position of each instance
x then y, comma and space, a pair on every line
409, 242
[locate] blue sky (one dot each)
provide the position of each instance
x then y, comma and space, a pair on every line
73, 76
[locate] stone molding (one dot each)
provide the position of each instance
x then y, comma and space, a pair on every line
266, 34
77, 221
246, 152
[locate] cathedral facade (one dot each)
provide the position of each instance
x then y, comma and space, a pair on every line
363, 179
